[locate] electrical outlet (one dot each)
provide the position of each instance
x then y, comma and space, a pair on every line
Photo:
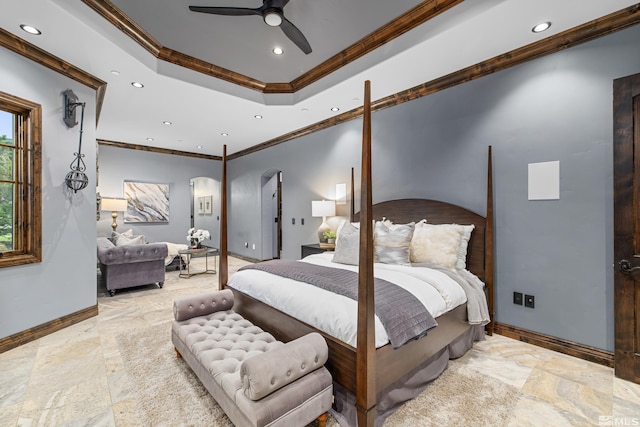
301, 221
529, 301
293, 221
253, 246
517, 298
246, 244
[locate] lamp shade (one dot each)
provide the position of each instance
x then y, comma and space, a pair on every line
113, 205
323, 208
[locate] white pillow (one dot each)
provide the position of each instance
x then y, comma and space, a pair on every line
436, 244
391, 246
464, 245
388, 223
123, 240
347, 249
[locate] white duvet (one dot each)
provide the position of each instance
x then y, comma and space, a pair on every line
336, 314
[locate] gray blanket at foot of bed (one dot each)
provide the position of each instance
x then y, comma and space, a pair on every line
403, 316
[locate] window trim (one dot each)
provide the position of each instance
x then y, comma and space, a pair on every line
28, 194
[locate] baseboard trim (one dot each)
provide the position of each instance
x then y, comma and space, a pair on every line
244, 258
581, 351
44, 329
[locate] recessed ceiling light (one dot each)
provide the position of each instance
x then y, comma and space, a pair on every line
277, 51
115, 72
304, 109
199, 147
543, 26
137, 84
166, 122
334, 109
224, 134
149, 139
31, 30
258, 116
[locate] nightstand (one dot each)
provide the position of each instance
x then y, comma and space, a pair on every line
314, 248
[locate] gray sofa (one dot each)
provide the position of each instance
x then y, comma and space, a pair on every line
132, 265
257, 380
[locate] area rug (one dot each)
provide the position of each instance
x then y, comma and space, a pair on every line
168, 393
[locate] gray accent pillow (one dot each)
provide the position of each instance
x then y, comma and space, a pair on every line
104, 242
391, 246
347, 244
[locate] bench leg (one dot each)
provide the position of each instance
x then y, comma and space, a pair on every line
178, 355
322, 419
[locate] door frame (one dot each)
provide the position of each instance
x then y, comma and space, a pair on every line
626, 110
266, 216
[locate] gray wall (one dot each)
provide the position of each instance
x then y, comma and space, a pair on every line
119, 164
555, 108
65, 281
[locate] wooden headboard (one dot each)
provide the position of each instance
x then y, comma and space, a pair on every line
403, 211
480, 251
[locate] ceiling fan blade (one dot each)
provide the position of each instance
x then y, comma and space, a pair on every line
278, 3
233, 11
295, 35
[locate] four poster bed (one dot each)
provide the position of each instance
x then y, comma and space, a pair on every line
373, 378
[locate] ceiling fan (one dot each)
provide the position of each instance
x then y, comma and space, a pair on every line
273, 15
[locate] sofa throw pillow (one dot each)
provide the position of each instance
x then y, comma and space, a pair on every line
114, 235
104, 242
347, 249
391, 246
122, 240
436, 244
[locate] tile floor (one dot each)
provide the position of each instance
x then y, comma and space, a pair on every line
75, 377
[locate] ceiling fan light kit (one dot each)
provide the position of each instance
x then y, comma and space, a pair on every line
272, 18
273, 15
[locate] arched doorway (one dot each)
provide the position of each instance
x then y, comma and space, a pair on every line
205, 207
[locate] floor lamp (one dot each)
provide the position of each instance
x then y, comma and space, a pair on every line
115, 206
323, 208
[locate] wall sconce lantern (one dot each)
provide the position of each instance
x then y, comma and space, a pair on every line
323, 208
76, 179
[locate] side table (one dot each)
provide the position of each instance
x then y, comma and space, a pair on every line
185, 266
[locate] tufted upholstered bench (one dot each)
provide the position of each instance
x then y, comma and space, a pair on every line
256, 380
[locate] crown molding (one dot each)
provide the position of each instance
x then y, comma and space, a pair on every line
32, 52
393, 29
600, 27
158, 150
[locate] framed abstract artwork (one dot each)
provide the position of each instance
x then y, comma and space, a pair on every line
146, 202
208, 205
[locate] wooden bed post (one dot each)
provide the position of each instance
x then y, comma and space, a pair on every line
353, 197
223, 269
488, 244
365, 349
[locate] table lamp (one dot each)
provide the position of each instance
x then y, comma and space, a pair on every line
115, 206
323, 208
